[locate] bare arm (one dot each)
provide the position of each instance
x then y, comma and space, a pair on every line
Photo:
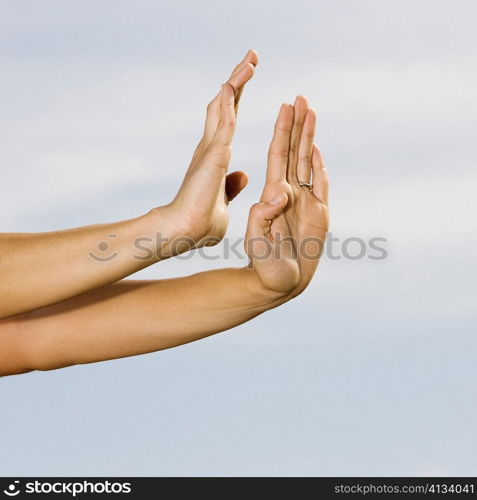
130, 318
41, 269
135, 317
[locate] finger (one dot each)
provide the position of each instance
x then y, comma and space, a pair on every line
279, 147
305, 149
238, 82
212, 119
300, 108
262, 213
226, 126
251, 57
234, 184
241, 74
320, 176
220, 144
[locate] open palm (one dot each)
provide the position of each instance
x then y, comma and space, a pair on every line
288, 227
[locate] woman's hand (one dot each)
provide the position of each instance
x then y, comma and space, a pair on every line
200, 206
287, 228
33, 276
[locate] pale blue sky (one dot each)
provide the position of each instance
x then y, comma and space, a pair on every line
372, 371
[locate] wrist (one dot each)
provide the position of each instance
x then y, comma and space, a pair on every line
265, 297
163, 234
183, 229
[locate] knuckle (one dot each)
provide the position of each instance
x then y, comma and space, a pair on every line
227, 123
256, 208
212, 106
276, 153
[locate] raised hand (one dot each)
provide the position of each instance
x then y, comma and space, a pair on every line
287, 228
200, 206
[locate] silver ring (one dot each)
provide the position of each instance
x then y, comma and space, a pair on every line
306, 184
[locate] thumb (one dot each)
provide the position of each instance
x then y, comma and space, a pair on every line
262, 213
234, 184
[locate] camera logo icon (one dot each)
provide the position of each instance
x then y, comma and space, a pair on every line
104, 255
13, 489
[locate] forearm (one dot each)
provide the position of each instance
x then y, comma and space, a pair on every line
40, 269
135, 317
37, 270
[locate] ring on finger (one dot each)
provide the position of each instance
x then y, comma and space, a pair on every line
306, 184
